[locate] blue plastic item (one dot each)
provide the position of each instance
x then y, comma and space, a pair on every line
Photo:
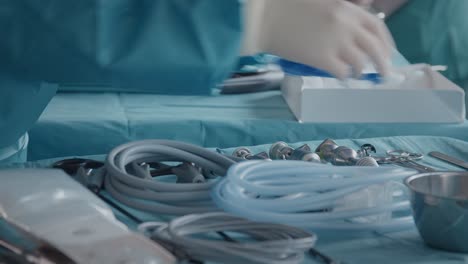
298, 69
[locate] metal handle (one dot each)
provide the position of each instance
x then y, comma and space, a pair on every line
449, 159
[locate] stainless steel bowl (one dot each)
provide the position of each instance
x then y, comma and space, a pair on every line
440, 208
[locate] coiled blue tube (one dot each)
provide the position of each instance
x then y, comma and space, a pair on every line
308, 195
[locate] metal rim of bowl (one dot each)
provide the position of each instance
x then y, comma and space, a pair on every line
409, 179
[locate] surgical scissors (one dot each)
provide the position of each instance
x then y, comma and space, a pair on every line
404, 159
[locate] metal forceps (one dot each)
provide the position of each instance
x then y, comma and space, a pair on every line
405, 159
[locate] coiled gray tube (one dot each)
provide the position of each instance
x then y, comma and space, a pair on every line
272, 243
138, 190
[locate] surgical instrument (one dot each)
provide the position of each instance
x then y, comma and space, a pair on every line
405, 159
345, 156
246, 154
314, 195
82, 170
366, 150
282, 151
258, 242
325, 149
452, 160
71, 166
414, 165
253, 82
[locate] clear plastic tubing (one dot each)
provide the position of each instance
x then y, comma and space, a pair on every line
306, 195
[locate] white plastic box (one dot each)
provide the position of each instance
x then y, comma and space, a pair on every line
425, 96
53, 206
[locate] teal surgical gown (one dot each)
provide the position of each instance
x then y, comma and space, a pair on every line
160, 46
21, 103
153, 46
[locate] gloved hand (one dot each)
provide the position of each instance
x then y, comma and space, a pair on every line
333, 35
362, 2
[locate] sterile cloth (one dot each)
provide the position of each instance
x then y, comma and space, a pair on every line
85, 124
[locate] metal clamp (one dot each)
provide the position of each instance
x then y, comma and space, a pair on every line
282, 151
245, 153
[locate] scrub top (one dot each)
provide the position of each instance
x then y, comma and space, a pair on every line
152, 46
434, 32
21, 103
160, 46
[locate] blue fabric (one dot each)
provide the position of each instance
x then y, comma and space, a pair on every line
160, 46
434, 32
401, 247
16, 152
21, 104
85, 124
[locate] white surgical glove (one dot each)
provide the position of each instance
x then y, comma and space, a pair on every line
333, 35
364, 3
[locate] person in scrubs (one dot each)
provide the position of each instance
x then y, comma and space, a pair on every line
166, 46
180, 46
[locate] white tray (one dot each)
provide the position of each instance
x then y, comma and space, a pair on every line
426, 97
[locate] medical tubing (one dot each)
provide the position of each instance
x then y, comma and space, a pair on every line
287, 204
307, 195
303, 219
298, 180
305, 216
137, 189
155, 206
268, 243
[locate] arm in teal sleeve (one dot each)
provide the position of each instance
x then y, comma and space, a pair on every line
160, 46
21, 104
